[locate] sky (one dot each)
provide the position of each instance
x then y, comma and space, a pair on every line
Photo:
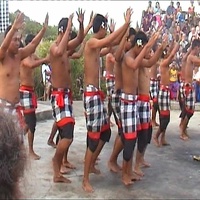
36, 10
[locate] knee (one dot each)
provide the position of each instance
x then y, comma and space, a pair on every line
142, 140
164, 121
129, 146
92, 144
105, 135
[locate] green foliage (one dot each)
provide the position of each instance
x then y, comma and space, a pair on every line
77, 71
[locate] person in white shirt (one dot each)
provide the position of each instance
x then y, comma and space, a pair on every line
46, 79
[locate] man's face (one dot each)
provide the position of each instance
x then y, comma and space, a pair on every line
15, 43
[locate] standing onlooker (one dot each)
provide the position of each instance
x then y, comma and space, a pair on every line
46, 79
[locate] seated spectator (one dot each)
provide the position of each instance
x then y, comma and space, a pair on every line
184, 42
150, 11
170, 14
12, 157
192, 34
157, 13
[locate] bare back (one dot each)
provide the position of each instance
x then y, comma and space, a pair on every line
91, 66
129, 76
110, 61
189, 67
118, 75
60, 69
26, 73
164, 73
154, 71
9, 78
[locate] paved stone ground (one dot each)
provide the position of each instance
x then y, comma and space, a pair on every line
173, 173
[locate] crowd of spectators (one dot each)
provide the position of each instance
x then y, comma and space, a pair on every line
184, 26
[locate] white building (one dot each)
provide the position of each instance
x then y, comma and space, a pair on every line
4, 15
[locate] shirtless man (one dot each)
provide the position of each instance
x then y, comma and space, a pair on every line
181, 96
154, 84
133, 59
28, 98
60, 97
122, 48
145, 127
10, 59
164, 95
98, 127
189, 92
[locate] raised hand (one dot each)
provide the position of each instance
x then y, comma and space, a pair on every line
106, 16
46, 21
19, 21
112, 26
165, 41
127, 15
70, 20
92, 16
80, 15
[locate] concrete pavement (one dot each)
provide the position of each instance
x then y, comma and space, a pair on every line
173, 173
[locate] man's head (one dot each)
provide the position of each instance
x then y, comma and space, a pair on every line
29, 38
130, 38
62, 25
196, 46
15, 42
100, 24
139, 41
12, 157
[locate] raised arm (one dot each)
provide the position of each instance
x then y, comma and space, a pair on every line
120, 49
79, 53
135, 63
59, 50
18, 23
30, 63
72, 44
89, 26
153, 60
107, 41
168, 60
30, 48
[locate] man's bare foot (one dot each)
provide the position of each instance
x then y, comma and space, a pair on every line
52, 144
184, 137
164, 143
138, 171
69, 165
145, 164
154, 124
156, 142
135, 177
87, 187
61, 179
126, 179
64, 170
114, 167
93, 170
34, 156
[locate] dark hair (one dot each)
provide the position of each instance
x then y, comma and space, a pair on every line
73, 35
132, 31
21, 45
140, 35
7, 30
29, 38
62, 25
195, 43
12, 157
98, 21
